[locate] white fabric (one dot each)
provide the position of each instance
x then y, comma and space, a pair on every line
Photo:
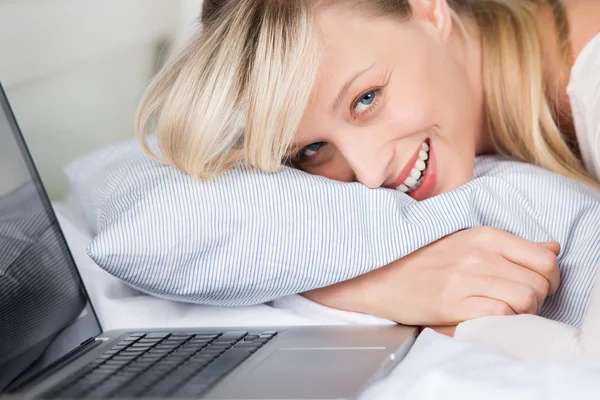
441, 368
584, 93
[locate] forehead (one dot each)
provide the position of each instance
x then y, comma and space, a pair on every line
350, 38
347, 35
352, 41
349, 43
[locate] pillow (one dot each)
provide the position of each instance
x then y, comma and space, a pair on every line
249, 237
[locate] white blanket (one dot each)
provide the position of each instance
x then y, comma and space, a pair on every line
437, 367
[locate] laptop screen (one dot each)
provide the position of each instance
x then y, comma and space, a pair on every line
44, 309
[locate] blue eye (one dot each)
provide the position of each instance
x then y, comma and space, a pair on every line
308, 152
367, 99
311, 149
365, 102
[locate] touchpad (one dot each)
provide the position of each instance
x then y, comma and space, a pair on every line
313, 373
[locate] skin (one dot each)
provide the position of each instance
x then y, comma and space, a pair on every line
420, 79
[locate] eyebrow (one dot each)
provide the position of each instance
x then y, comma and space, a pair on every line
344, 91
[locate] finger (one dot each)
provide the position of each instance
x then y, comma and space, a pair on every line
525, 253
504, 269
479, 306
552, 246
520, 297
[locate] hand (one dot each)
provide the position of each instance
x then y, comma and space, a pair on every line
473, 273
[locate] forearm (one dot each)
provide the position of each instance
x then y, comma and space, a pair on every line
362, 294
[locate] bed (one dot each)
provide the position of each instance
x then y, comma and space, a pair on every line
436, 367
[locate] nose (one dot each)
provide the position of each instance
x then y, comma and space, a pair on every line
366, 160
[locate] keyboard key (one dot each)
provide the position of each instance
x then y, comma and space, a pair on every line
180, 336
207, 334
248, 345
123, 358
219, 349
231, 336
170, 362
132, 351
202, 339
152, 356
199, 341
142, 344
251, 337
143, 361
154, 335
151, 340
188, 351
161, 350
172, 342
116, 363
110, 369
202, 356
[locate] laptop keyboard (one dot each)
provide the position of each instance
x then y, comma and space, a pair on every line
162, 364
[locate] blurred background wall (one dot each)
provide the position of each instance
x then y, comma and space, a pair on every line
74, 70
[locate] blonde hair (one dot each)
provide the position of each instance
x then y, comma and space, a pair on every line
237, 91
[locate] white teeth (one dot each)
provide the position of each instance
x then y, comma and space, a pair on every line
416, 176
410, 182
403, 188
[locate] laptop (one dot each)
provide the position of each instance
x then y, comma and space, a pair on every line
52, 344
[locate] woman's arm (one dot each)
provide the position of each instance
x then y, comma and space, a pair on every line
473, 273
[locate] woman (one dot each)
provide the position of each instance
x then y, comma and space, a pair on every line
400, 94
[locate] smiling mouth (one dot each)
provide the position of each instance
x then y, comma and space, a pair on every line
418, 171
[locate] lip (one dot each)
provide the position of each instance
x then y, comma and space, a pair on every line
407, 168
425, 190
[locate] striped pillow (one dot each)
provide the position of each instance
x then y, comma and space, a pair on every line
249, 237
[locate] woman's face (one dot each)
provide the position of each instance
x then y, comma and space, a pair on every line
394, 104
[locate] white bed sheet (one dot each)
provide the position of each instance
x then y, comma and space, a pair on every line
437, 367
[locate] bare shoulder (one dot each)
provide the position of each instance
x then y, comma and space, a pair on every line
584, 21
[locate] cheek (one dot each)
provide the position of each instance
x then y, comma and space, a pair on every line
409, 114
337, 169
